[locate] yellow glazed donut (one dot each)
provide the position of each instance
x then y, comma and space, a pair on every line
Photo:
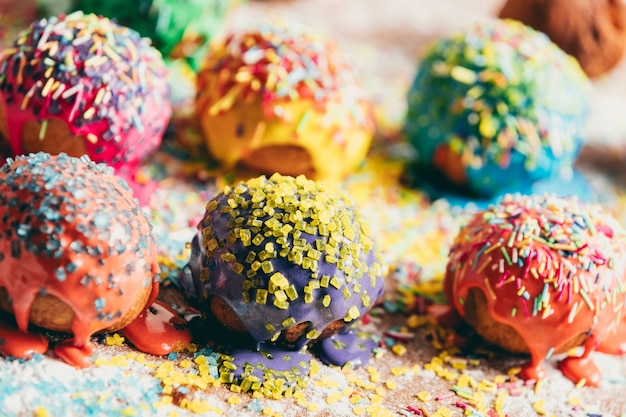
278, 100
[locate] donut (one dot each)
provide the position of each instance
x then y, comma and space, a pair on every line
540, 275
279, 100
179, 29
285, 260
83, 85
592, 31
494, 108
13, 17
76, 251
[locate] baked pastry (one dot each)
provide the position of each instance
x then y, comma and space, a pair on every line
288, 261
540, 274
280, 100
82, 84
13, 17
179, 29
495, 108
76, 251
594, 32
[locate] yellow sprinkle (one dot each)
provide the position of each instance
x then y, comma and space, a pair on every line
398, 370
581, 383
399, 350
114, 340
391, 384
267, 411
128, 411
355, 398
538, 407
376, 399
313, 407
574, 401
92, 138
538, 385
514, 371
424, 396
333, 397
41, 412
443, 412
186, 363
487, 386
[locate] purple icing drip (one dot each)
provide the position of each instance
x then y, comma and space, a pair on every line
351, 346
272, 358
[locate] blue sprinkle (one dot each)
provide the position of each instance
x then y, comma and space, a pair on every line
71, 267
60, 274
100, 303
255, 405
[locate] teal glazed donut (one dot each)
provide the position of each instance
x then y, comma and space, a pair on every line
494, 109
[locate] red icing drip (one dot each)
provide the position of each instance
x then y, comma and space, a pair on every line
17, 344
615, 342
99, 288
158, 330
532, 371
143, 188
445, 315
78, 356
577, 368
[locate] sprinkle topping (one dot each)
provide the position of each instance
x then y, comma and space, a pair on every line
178, 29
275, 65
543, 262
69, 227
101, 78
500, 103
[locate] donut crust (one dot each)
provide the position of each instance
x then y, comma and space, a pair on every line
51, 313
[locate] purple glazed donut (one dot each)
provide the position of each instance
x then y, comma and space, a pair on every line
285, 258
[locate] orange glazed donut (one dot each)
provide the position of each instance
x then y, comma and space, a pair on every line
541, 274
76, 251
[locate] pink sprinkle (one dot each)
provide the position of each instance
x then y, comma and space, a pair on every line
414, 410
530, 382
444, 396
516, 392
460, 405
403, 337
